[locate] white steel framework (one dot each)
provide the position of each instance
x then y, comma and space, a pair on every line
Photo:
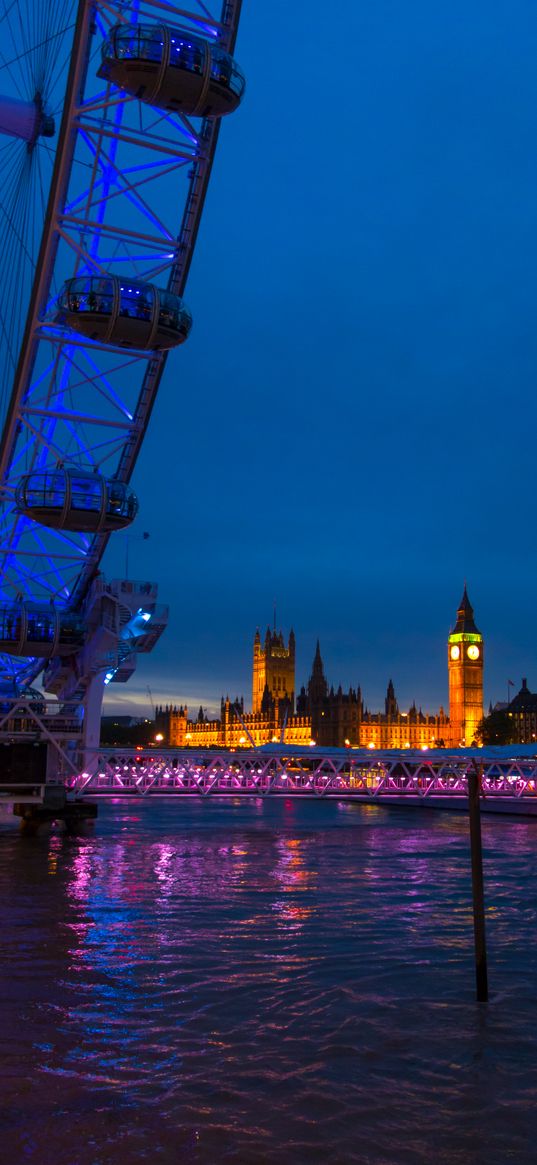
121, 189
506, 783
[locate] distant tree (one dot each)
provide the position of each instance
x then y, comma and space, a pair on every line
128, 735
498, 728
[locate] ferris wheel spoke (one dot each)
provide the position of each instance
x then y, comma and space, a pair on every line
5, 9
101, 101
100, 382
37, 64
125, 188
53, 571
76, 544
18, 35
15, 81
151, 171
90, 263
42, 440
53, 404
36, 30
83, 390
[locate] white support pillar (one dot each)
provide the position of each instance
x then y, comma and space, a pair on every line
91, 730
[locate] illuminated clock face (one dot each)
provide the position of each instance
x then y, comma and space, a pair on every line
455, 651
473, 651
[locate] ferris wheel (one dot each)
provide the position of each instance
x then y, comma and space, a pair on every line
108, 129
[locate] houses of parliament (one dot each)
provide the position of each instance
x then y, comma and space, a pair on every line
327, 717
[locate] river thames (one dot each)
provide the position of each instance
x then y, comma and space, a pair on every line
266, 981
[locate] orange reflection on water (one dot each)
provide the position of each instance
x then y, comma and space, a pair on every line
294, 876
291, 917
291, 870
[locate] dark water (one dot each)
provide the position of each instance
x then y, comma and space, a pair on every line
266, 982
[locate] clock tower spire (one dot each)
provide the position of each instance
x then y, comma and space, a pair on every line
465, 671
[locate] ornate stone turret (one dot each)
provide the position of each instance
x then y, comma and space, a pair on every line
274, 669
391, 706
317, 685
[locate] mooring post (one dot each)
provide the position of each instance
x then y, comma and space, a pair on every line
474, 790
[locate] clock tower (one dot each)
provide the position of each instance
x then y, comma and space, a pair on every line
465, 671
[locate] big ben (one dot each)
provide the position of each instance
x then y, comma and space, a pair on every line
465, 670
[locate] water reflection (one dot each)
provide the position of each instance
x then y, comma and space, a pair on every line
259, 983
294, 876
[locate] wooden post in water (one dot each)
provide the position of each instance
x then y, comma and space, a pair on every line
474, 789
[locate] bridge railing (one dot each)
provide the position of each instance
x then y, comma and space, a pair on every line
383, 776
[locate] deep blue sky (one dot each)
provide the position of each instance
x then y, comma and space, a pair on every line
351, 428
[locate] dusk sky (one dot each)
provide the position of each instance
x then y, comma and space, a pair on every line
350, 429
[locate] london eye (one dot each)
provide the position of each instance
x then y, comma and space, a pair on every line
109, 122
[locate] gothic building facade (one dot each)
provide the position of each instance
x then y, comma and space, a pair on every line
330, 717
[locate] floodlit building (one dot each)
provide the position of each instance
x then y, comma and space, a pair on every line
465, 671
330, 717
523, 712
